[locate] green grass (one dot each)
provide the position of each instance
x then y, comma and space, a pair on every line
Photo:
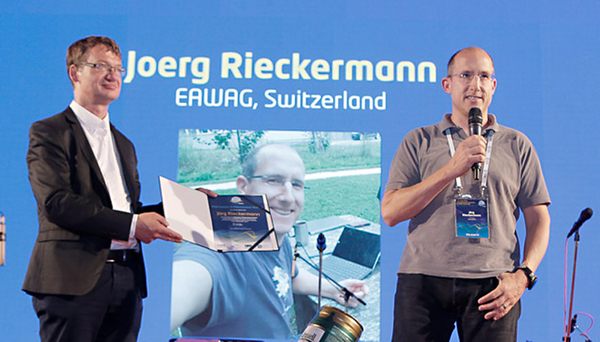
342, 157
207, 166
204, 166
353, 195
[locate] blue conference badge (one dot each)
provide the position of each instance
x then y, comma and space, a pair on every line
472, 218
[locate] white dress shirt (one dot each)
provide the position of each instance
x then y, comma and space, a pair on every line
101, 140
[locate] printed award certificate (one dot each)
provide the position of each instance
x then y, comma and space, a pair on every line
225, 223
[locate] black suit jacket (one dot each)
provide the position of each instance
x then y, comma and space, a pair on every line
76, 220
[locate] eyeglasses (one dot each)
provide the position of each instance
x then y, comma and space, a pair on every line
277, 181
105, 68
467, 77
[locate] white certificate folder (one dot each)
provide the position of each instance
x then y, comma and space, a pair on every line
226, 223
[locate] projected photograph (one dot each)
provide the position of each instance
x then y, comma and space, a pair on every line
316, 183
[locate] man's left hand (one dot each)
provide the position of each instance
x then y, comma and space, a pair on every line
508, 292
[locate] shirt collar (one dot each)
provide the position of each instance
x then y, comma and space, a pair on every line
447, 123
89, 121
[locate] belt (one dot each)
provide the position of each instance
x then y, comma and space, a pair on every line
123, 255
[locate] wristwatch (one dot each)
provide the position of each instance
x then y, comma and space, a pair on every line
531, 277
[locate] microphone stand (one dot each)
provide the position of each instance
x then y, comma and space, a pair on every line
347, 293
570, 322
294, 259
2, 239
321, 247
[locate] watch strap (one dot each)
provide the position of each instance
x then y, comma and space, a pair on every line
531, 277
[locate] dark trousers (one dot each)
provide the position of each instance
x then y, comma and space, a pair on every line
112, 311
427, 308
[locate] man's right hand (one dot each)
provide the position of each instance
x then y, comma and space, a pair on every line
468, 152
405, 203
152, 226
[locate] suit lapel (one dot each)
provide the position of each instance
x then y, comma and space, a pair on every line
86, 149
126, 153
128, 164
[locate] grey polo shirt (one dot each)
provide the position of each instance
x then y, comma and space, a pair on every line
515, 181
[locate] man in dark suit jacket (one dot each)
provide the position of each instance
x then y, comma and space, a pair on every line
86, 273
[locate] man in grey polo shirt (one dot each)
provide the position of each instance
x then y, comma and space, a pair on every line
462, 260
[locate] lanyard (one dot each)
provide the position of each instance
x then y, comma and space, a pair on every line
486, 165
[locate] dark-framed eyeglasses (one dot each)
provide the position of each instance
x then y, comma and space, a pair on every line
105, 68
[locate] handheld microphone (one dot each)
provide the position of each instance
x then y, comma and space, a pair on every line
585, 215
321, 247
475, 128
